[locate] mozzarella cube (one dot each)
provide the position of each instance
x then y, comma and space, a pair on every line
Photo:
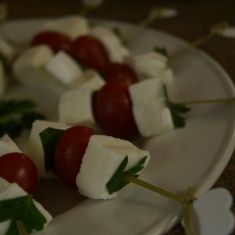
112, 43
75, 107
64, 68
13, 191
7, 145
35, 148
29, 68
103, 156
2, 79
91, 80
34, 57
71, 26
6, 49
3, 185
151, 114
151, 65
4, 226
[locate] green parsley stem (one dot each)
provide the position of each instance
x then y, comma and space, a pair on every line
186, 202
215, 30
3, 12
154, 14
86, 9
155, 189
194, 44
187, 218
21, 228
210, 101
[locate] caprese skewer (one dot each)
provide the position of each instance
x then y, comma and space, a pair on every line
18, 180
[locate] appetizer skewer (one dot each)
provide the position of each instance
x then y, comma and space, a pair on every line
104, 148
18, 177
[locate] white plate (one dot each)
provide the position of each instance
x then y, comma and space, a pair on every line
193, 156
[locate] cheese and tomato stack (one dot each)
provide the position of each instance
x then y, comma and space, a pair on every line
18, 179
82, 159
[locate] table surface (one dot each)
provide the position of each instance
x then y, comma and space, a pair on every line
194, 20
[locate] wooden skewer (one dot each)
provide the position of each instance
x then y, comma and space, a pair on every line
156, 13
215, 30
3, 12
211, 101
20, 228
86, 9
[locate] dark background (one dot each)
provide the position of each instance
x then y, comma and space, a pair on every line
193, 21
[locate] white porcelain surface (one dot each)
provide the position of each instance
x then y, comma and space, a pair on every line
193, 156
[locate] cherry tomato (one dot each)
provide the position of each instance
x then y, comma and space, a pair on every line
120, 72
17, 167
113, 110
90, 52
56, 41
69, 153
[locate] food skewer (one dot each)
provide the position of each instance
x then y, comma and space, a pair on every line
217, 29
88, 6
207, 101
21, 228
156, 13
3, 12
186, 207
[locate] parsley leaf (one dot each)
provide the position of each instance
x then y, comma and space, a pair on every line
49, 138
117, 181
162, 50
23, 209
118, 33
16, 115
177, 111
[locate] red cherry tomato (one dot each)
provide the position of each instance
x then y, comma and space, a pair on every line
56, 41
69, 153
113, 110
90, 52
17, 167
120, 72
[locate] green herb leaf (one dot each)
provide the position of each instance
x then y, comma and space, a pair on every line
49, 138
23, 209
16, 115
178, 120
177, 110
117, 181
118, 33
162, 50
15, 106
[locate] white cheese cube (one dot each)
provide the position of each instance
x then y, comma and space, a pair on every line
75, 107
6, 49
3, 184
29, 68
13, 191
91, 80
151, 114
35, 148
71, 26
36, 57
2, 79
4, 226
7, 145
103, 156
64, 68
112, 43
151, 65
